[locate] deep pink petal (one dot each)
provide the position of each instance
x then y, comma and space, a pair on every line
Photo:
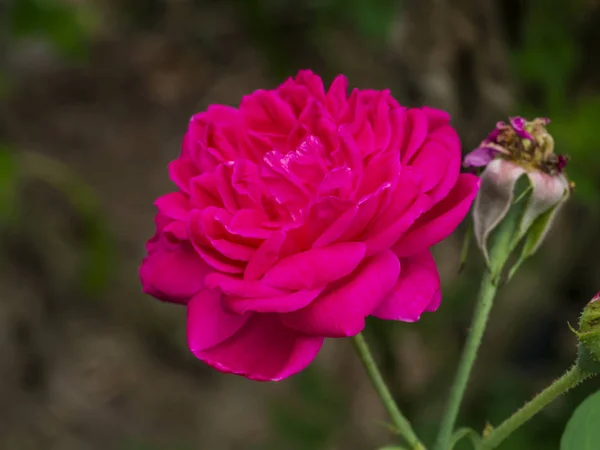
337, 228
415, 133
417, 290
381, 121
265, 256
435, 117
341, 311
283, 303
173, 275
235, 286
208, 324
265, 112
439, 222
316, 267
263, 350
313, 83
198, 222
407, 204
181, 171
337, 96
387, 237
440, 165
174, 205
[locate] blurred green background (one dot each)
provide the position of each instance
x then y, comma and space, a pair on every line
94, 99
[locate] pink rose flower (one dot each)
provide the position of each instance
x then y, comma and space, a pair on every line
298, 215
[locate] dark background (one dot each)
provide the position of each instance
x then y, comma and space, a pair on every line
95, 98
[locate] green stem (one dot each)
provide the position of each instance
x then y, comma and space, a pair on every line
400, 422
569, 380
484, 305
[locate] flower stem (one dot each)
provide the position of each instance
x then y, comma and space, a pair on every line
400, 422
484, 305
569, 380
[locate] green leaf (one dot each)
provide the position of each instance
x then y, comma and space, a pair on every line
582, 431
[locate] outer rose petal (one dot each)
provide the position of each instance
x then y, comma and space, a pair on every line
417, 290
263, 350
173, 275
439, 222
208, 324
342, 311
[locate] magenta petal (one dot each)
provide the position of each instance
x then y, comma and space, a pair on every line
231, 285
174, 205
173, 275
337, 96
435, 117
265, 256
341, 312
416, 133
316, 267
440, 221
181, 171
263, 350
417, 290
338, 227
208, 324
386, 238
283, 303
480, 157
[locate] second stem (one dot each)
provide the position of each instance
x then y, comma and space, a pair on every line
400, 422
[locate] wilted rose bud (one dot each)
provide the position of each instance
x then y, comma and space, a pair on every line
511, 150
589, 336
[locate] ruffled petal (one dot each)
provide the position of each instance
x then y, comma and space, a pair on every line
417, 290
316, 267
341, 311
284, 303
440, 221
263, 350
208, 324
173, 275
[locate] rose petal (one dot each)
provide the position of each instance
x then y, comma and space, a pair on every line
235, 286
337, 96
265, 256
263, 350
316, 267
264, 112
415, 133
494, 199
173, 275
341, 311
435, 117
283, 303
547, 192
208, 324
181, 171
417, 290
480, 157
174, 205
440, 221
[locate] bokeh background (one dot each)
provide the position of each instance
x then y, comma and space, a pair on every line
94, 100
